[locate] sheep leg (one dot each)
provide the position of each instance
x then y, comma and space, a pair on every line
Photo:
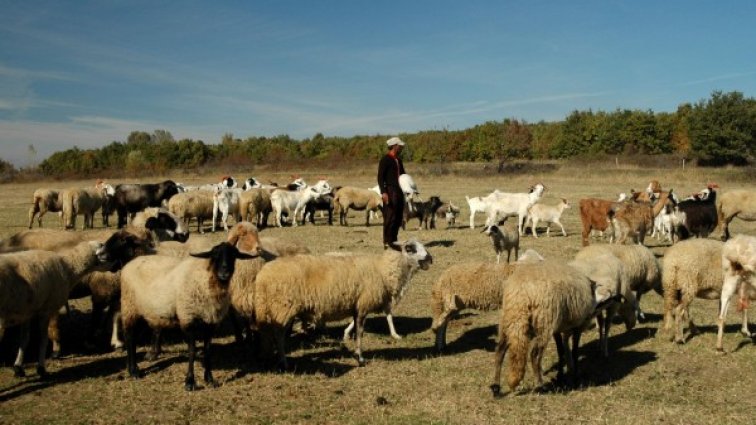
559, 341
114, 341
155, 349
729, 287
44, 322
573, 359
206, 359
189, 382
392, 329
359, 321
536, 354
18, 365
348, 331
501, 351
564, 232
53, 333
131, 363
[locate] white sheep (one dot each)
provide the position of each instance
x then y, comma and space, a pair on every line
409, 188
84, 202
541, 301
357, 199
735, 203
640, 265
476, 285
546, 213
44, 200
503, 239
36, 283
191, 292
323, 288
692, 269
739, 272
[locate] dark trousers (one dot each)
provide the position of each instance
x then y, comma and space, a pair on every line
393, 214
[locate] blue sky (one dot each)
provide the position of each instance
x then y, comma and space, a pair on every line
86, 73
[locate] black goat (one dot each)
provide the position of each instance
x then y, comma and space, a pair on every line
696, 217
424, 211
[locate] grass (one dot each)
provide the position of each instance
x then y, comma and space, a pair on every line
647, 379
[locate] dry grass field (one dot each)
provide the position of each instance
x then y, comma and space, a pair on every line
647, 379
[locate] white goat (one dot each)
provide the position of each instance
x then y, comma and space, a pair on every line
510, 204
549, 214
294, 201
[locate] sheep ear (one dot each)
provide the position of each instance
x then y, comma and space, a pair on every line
151, 223
244, 256
396, 246
206, 254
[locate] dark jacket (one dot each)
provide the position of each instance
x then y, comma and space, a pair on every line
389, 170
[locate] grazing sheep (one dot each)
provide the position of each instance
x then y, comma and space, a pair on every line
608, 273
739, 270
197, 204
547, 213
44, 200
191, 292
640, 265
735, 203
692, 269
83, 202
357, 199
323, 288
541, 300
503, 239
37, 283
475, 285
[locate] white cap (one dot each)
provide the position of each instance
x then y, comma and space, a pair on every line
394, 141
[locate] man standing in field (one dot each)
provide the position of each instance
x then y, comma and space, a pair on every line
389, 169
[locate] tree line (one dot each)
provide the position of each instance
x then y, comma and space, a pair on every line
715, 131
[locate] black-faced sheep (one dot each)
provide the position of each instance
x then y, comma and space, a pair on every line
323, 288
192, 293
540, 301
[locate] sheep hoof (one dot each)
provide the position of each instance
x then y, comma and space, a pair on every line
396, 336
151, 356
360, 362
18, 371
189, 384
55, 354
496, 390
42, 373
212, 383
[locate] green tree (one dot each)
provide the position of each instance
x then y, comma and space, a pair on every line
723, 128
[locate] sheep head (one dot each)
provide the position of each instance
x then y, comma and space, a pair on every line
415, 252
223, 260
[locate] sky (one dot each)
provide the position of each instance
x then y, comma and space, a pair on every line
87, 73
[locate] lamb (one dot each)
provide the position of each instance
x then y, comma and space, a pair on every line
608, 273
503, 239
44, 200
735, 203
197, 204
739, 270
692, 269
357, 199
541, 300
192, 293
322, 288
475, 285
640, 265
549, 214
36, 284
509, 204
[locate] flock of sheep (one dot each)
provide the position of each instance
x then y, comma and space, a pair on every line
151, 270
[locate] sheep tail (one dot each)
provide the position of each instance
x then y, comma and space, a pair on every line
518, 334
